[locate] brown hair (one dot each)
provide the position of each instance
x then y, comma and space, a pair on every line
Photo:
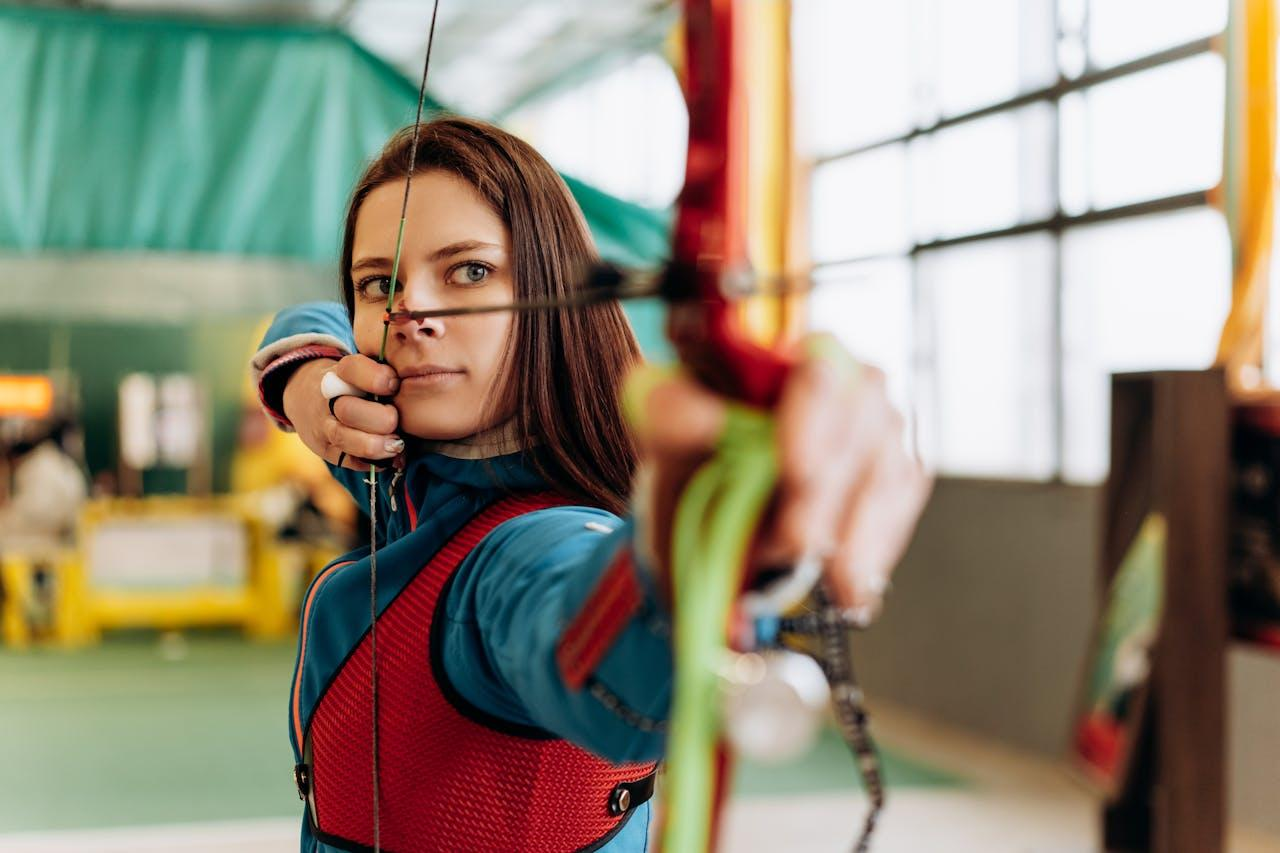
564, 366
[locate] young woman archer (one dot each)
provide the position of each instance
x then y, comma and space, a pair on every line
513, 517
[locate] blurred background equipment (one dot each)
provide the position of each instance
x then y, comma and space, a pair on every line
42, 490
161, 426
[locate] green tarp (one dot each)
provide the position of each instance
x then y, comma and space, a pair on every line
123, 133
164, 183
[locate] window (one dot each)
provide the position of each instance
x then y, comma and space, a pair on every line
986, 357
1144, 135
844, 44
860, 206
1009, 202
984, 175
868, 307
623, 132
1123, 30
1145, 293
987, 51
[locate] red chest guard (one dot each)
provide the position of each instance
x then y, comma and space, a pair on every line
450, 782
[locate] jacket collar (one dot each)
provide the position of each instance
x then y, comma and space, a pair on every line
492, 459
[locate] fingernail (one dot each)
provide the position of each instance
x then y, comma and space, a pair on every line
394, 445
862, 615
390, 386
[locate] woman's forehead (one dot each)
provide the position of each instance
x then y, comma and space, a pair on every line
443, 209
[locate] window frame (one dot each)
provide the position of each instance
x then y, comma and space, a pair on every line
1055, 224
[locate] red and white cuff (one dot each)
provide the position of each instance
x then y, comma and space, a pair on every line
275, 375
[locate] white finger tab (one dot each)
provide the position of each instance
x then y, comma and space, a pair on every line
332, 385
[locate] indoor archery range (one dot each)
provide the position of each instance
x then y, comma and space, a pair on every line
1050, 223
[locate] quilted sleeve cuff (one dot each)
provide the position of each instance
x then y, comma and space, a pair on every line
275, 375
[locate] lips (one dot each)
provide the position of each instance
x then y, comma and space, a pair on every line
429, 376
427, 370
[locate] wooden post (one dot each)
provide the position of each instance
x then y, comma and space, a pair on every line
1170, 453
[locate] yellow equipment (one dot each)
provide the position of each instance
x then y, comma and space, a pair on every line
163, 563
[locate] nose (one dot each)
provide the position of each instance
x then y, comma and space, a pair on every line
406, 330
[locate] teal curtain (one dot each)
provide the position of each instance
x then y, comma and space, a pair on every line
163, 182
125, 133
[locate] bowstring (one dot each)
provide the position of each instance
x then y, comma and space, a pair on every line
373, 471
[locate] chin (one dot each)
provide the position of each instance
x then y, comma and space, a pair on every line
437, 431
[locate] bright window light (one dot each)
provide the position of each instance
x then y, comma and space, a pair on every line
983, 175
867, 307
1120, 30
991, 50
985, 403
624, 132
842, 45
1003, 346
1153, 134
1149, 293
859, 205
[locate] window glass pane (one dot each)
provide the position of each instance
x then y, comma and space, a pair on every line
991, 50
1152, 134
596, 133
1120, 30
1073, 172
868, 308
853, 67
1072, 18
860, 205
985, 400
983, 175
1141, 294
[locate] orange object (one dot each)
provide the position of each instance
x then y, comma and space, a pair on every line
1247, 194
25, 396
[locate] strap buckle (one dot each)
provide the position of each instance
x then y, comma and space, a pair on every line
626, 796
302, 780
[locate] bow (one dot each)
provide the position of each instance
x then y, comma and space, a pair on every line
725, 500
717, 517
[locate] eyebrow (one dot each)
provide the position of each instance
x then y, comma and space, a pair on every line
440, 254
459, 248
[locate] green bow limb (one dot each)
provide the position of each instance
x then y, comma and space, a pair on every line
714, 524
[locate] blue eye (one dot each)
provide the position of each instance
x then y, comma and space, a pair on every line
469, 273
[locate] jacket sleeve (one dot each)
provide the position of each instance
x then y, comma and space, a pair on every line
552, 623
297, 335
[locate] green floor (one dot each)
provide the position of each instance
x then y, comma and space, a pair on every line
119, 735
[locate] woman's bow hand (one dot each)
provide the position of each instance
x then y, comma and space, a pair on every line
849, 490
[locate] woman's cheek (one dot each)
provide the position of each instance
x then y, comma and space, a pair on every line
368, 333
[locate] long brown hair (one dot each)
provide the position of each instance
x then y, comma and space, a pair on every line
564, 367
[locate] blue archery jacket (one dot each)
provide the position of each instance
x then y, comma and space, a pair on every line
511, 597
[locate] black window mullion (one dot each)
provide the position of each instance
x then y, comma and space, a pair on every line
1054, 93
1054, 224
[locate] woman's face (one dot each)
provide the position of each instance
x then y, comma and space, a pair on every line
457, 253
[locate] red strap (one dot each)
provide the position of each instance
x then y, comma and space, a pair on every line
601, 618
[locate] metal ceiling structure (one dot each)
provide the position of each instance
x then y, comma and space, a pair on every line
490, 56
